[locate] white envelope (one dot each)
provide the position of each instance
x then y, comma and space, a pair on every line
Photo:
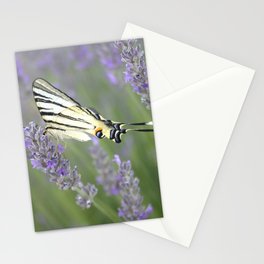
196, 99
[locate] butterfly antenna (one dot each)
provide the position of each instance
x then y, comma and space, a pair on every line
140, 129
141, 124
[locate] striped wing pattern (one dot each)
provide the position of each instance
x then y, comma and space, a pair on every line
64, 116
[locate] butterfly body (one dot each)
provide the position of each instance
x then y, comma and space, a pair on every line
66, 118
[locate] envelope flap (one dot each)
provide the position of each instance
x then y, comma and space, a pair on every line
181, 64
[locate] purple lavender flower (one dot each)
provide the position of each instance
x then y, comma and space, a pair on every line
47, 157
133, 56
131, 204
81, 56
83, 198
107, 176
120, 182
109, 55
110, 58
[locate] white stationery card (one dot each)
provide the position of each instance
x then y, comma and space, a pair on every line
196, 99
88, 134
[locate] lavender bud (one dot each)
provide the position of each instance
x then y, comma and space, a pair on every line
85, 195
133, 56
120, 182
109, 57
107, 176
47, 157
131, 204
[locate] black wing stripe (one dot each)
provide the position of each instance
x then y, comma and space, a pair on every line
42, 108
50, 112
40, 95
45, 90
74, 118
94, 113
49, 88
112, 133
49, 97
49, 101
117, 137
43, 114
97, 116
55, 128
64, 125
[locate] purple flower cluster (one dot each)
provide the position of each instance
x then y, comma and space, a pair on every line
120, 182
85, 195
131, 200
110, 58
81, 56
133, 56
47, 157
107, 176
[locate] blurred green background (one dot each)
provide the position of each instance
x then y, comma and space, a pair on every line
93, 76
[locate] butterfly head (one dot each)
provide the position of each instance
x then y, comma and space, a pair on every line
99, 133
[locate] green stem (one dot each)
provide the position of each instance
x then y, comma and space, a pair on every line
102, 207
107, 211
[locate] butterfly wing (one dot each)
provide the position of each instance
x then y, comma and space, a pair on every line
71, 134
64, 117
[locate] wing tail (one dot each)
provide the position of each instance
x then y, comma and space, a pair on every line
134, 127
141, 124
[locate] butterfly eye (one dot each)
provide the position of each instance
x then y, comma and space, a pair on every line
99, 134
